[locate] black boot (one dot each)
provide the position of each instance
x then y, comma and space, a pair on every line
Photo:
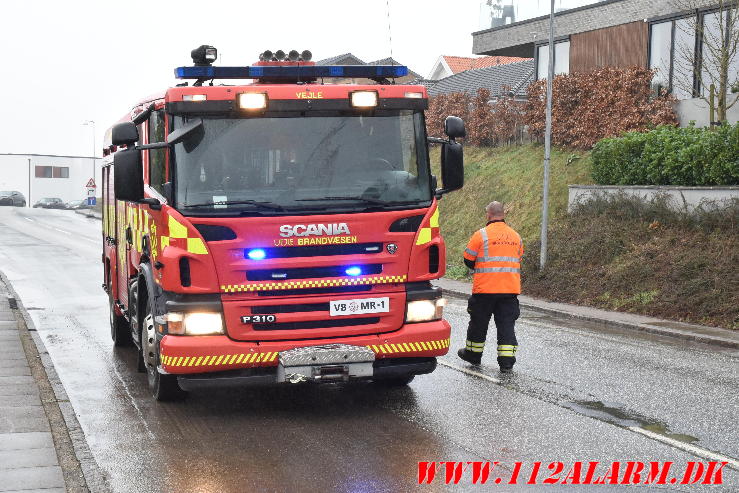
506, 363
470, 356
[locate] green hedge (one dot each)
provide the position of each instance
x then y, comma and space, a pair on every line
669, 156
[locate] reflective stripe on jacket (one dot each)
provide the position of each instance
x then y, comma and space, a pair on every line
496, 250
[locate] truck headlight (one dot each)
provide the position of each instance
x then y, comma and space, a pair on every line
194, 323
425, 310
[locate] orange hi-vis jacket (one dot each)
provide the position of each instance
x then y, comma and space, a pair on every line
496, 251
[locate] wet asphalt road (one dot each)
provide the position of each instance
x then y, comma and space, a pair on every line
575, 394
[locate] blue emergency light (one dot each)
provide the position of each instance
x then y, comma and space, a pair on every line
353, 271
292, 72
256, 254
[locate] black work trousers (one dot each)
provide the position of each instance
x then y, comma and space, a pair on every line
504, 310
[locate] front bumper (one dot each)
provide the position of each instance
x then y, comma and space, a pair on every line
182, 355
249, 377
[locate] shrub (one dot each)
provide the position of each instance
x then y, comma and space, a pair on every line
669, 156
487, 124
589, 106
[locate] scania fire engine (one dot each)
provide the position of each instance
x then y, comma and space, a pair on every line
281, 230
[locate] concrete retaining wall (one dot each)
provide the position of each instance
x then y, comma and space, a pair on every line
681, 198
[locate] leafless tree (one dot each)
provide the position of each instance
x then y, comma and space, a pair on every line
716, 65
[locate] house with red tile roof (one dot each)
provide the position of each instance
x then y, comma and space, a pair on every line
447, 65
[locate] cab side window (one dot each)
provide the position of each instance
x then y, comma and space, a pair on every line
157, 157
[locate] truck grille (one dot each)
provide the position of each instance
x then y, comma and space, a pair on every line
307, 291
318, 324
322, 250
303, 307
307, 272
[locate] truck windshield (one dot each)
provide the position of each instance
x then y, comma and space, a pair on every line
275, 164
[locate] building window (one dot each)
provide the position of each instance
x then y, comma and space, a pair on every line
711, 39
52, 172
561, 59
672, 53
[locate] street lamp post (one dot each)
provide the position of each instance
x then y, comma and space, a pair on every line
91, 123
547, 145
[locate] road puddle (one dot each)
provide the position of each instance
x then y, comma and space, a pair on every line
618, 416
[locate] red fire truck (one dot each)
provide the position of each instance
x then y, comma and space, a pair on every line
283, 230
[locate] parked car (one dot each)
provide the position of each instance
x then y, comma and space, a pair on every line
78, 204
50, 203
13, 198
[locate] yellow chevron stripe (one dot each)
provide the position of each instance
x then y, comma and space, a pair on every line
238, 360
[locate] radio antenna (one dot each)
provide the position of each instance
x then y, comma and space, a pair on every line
389, 32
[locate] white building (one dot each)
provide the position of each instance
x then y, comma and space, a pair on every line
49, 176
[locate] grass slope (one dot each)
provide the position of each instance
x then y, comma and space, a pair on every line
512, 175
620, 255
643, 258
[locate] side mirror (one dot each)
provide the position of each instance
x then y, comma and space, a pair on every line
124, 134
452, 167
128, 175
454, 127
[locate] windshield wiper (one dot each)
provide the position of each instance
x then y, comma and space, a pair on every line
361, 199
266, 205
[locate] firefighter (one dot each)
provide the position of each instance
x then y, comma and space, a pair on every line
494, 252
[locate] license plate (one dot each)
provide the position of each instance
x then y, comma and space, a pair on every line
359, 306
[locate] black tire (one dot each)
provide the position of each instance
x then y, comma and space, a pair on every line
163, 387
395, 381
120, 330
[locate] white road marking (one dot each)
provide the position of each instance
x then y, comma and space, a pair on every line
686, 447
700, 452
63, 231
469, 372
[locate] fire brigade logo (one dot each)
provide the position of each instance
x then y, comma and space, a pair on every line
392, 248
353, 306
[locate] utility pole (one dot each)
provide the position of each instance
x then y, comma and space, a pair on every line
29, 183
91, 123
547, 145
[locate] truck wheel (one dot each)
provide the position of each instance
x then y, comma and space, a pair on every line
163, 387
120, 330
395, 381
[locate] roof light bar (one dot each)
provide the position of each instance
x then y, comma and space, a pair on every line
291, 72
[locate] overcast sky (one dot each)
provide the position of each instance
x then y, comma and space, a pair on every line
72, 61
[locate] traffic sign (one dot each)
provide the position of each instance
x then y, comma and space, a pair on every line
90, 192
91, 200
91, 183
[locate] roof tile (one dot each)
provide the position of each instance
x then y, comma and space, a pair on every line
516, 75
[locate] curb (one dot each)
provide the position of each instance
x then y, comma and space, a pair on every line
88, 213
619, 324
81, 472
